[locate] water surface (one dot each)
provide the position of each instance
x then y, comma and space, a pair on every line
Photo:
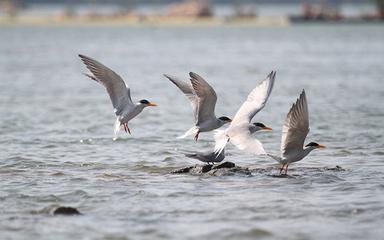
57, 147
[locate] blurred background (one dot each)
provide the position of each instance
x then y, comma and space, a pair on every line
56, 126
214, 11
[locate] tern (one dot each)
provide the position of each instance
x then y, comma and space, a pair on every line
208, 157
295, 130
241, 129
119, 93
203, 101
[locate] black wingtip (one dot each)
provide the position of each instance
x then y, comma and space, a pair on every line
272, 74
83, 57
302, 93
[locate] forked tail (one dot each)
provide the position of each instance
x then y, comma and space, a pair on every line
277, 158
192, 131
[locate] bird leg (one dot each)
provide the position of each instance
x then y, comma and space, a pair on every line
284, 169
126, 128
197, 136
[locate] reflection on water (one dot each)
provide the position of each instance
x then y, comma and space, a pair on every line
57, 147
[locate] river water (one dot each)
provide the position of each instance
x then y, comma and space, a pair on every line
56, 133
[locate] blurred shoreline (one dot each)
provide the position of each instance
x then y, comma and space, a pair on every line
187, 13
140, 20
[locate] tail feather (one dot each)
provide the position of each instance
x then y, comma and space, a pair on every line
277, 158
192, 131
221, 139
116, 127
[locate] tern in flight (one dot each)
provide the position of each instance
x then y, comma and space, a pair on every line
203, 101
119, 93
295, 130
241, 129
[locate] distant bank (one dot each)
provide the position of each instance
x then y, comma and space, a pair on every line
143, 21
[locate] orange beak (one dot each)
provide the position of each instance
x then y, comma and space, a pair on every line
267, 128
152, 104
321, 146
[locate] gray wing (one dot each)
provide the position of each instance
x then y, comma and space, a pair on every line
206, 98
256, 100
187, 89
296, 127
118, 91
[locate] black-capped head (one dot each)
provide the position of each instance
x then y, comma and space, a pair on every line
225, 119
147, 103
262, 126
315, 145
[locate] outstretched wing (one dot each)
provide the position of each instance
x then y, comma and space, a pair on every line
243, 139
256, 100
296, 127
187, 89
118, 91
206, 98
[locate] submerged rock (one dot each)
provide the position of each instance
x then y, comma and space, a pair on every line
229, 168
225, 168
66, 211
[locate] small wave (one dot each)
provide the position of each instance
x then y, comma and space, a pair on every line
378, 153
58, 174
253, 233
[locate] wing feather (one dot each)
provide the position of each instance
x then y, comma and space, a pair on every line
187, 89
256, 100
296, 127
243, 139
117, 89
206, 98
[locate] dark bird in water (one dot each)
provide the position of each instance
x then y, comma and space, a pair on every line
207, 157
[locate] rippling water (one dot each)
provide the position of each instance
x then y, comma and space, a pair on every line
57, 147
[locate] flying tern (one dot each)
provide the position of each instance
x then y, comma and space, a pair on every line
119, 93
203, 101
295, 130
241, 129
